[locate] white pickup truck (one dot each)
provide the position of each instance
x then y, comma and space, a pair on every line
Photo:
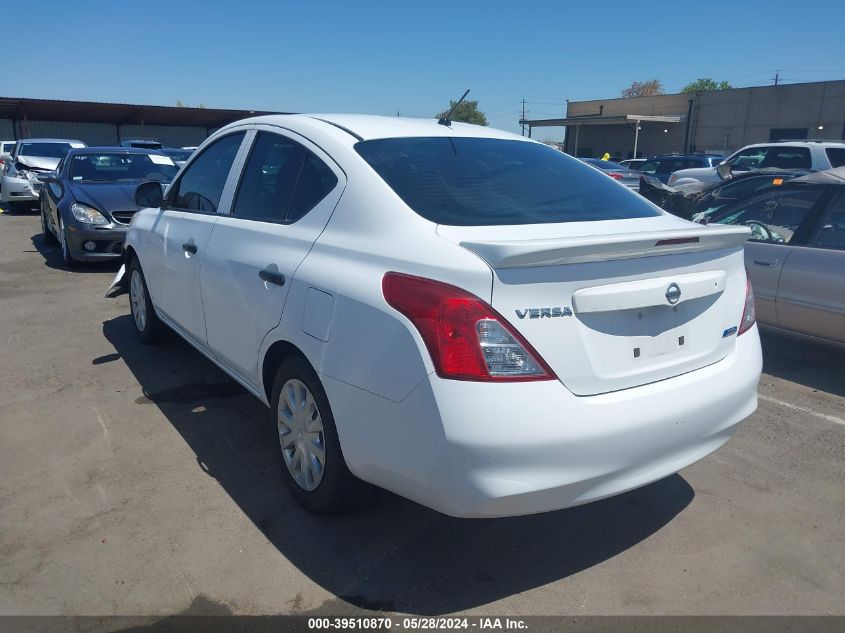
809, 155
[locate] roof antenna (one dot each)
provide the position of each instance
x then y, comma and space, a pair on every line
447, 120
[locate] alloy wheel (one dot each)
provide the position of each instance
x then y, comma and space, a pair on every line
301, 435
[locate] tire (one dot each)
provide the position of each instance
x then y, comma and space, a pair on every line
67, 258
334, 489
49, 238
148, 327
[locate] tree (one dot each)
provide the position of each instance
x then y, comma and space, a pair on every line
467, 112
644, 89
705, 83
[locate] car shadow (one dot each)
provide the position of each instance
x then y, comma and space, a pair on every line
392, 554
806, 362
52, 254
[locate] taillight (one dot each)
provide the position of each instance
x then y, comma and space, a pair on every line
749, 316
616, 176
466, 338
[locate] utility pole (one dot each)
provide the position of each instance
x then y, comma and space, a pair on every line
523, 116
776, 77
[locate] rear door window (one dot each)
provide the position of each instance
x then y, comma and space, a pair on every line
836, 156
483, 181
282, 181
269, 178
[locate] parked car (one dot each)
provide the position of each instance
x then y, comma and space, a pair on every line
807, 155
179, 156
796, 254
25, 169
698, 201
662, 167
142, 143
461, 315
627, 177
632, 163
6, 147
88, 202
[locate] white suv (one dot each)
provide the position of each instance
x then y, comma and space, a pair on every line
463, 316
805, 155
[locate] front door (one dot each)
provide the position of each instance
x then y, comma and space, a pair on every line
287, 192
811, 296
778, 221
181, 232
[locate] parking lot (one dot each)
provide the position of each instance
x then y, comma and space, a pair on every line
142, 480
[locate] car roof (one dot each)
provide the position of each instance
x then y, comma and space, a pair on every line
830, 177
367, 127
48, 140
686, 156
798, 143
113, 150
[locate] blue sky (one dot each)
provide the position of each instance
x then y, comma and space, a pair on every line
389, 57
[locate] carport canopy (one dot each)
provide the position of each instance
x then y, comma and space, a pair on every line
618, 119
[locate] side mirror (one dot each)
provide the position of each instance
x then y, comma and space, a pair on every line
6, 159
149, 194
724, 170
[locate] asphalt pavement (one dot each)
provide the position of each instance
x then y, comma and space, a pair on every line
142, 480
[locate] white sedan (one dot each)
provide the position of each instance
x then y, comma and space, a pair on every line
462, 316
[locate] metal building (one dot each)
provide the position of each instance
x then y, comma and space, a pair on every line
719, 121
106, 124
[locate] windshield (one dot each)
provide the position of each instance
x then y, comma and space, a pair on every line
121, 167
44, 150
484, 181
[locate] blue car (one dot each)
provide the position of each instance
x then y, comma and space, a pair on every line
89, 200
663, 166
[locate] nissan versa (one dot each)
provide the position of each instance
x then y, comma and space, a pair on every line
462, 316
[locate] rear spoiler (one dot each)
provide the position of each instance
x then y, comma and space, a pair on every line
600, 248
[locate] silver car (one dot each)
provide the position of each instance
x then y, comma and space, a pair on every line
626, 176
29, 163
795, 256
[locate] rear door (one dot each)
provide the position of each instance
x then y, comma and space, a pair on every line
286, 193
181, 232
811, 296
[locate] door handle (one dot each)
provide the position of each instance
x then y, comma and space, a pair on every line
189, 248
271, 277
765, 262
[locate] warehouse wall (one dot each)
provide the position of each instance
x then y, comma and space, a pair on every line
722, 120
105, 134
6, 132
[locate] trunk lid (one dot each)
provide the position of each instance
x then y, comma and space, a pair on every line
620, 303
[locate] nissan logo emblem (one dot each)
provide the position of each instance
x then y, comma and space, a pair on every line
673, 293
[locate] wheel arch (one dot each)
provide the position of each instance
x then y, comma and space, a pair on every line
276, 353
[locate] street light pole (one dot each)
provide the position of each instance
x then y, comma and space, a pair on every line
636, 136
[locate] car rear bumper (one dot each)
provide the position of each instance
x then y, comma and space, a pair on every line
108, 242
472, 449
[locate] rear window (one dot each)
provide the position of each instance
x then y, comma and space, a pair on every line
483, 181
836, 156
145, 144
